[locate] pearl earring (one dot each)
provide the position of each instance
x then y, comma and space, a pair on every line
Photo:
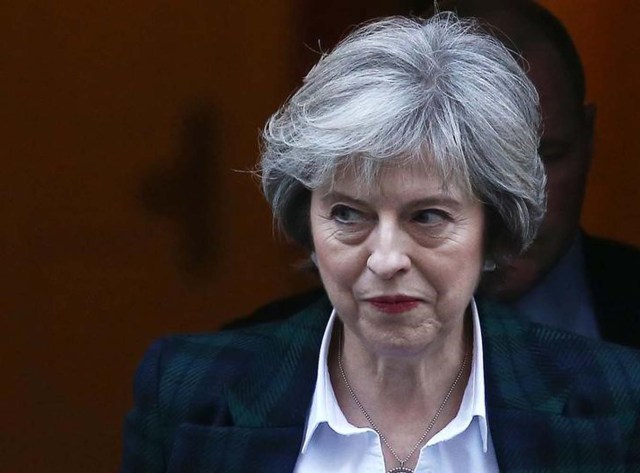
489, 265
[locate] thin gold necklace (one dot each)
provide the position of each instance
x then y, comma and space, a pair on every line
401, 468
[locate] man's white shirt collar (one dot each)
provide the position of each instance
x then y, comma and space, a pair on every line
325, 408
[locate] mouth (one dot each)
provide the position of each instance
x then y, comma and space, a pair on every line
395, 304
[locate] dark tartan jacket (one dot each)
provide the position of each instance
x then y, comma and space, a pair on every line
237, 401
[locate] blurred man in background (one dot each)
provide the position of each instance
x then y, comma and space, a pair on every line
567, 279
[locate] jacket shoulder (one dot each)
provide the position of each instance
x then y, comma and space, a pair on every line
610, 257
184, 380
191, 370
606, 372
555, 393
195, 351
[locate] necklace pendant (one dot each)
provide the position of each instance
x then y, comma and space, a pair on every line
400, 469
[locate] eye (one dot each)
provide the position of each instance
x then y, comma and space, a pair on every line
431, 217
346, 215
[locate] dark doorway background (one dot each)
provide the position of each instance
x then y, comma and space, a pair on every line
126, 212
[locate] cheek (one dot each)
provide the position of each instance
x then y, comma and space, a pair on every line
564, 205
339, 266
470, 262
566, 182
463, 266
454, 273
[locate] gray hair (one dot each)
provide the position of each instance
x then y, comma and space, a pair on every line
440, 91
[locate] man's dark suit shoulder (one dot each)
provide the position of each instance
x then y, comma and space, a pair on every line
613, 272
279, 309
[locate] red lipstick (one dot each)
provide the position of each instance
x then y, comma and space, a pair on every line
394, 304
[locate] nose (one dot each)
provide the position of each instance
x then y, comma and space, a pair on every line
389, 255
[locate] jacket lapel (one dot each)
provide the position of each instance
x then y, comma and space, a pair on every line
279, 386
204, 449
539, 416
268, 406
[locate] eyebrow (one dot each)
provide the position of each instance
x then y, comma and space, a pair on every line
441, 200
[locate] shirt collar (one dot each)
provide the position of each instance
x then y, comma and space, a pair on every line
325, 408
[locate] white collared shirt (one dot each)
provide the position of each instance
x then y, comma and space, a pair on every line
332, 444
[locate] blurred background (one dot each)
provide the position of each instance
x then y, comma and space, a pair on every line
128, 128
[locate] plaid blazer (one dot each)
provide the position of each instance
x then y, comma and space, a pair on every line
237, 401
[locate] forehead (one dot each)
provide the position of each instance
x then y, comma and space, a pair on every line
557, 100
398, 181
546, 68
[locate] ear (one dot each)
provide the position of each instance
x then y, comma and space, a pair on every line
589, 116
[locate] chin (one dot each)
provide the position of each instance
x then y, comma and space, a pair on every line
400, 341
401, 348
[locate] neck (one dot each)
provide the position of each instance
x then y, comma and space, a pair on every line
424, 375
401, 395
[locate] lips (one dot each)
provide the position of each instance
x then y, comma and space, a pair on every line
395, 304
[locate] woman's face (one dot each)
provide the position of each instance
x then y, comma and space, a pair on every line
399, 260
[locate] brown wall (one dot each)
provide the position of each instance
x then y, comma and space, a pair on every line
119, 227
112, 112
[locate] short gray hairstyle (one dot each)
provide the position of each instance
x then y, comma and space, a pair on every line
399, 89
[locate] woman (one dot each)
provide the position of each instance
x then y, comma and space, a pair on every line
407, 164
